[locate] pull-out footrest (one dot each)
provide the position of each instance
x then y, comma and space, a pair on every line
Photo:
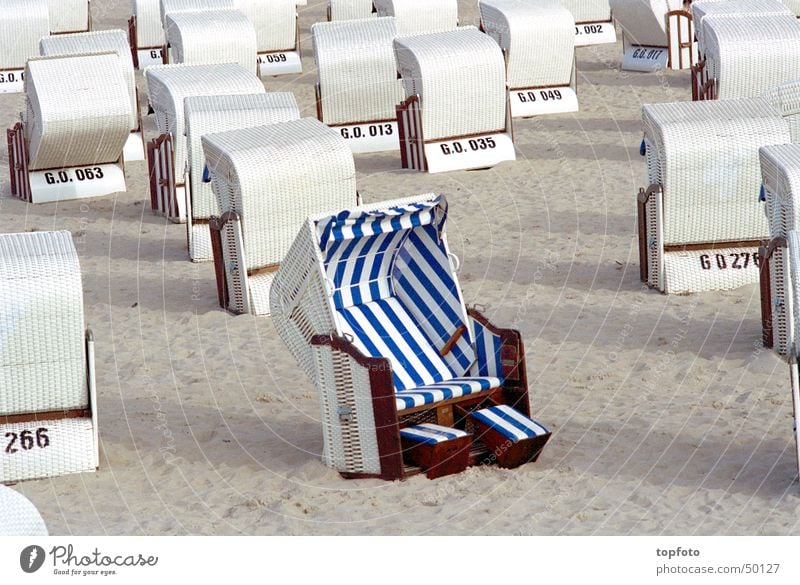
436, 449
511, 437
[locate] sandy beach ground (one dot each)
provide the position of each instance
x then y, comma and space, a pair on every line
668, 415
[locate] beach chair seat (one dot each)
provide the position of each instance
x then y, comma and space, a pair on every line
168, 87
357, 88
511, 437
146, 33
415, 17
349, 9
454, 115
538, 41
700, 223
70, 142
69, 16
48, 414
435, 449
267, 180
368, 302
105, 42
655, 34
277, 35
212, 114
22, 24
593, 24
18, 516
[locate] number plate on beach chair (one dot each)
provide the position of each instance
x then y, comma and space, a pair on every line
370, 136
594, 33
641, 58
279, 63
149, 57
12, 80
475, 152
535, 101
76, 182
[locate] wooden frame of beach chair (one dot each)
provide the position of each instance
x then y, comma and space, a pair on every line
168, 86
699, 231
146, 34
261, 208
70, 16
208, 115
357, 87
593, 23
349, 9
82, 112
537, 39
392, 344
22, 24
48, 396
18, 515
103, 42
453, 118
416, 17
278, 34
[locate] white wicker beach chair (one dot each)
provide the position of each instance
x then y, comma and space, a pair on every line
70, 142
349, 9
786, 99
414, 17
168, 86
454, 116
357, 88
48, 411
211, 114
368, 302
700, 222
18, 516
277, 33
171, 6
593, 24
22, 24
538, 39
267, 180
146, 33
70, 16
740, 9
104, 42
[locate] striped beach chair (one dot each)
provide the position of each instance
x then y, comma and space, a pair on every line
267, 180
277, 35
538, 41
593, 24
212, 114
349, 9
70, 142
69, 16
22, 24
168, 87
146, 33
48, 399
19, 517
700, 223
369, 303
415, 17
357, 88
453, 117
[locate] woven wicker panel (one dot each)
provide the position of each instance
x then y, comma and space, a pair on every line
42, 364
793, 5
18, 516
793, 250
416, 17
742, 9
644, 22
708, 153
78, 110
68, 15
172, 6
278, 175
786, 98
275, 22
98, 42
211, 114
460, 78
538, 36
149, 30
350, 9
169, 85
747, 56
780, 172
22, 24
589, 10
357, 70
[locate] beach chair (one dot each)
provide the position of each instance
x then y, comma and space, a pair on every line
146, 33
655, 34
368, 302
168, 86
70, 142
48, 399
538, 41
219, 113
167, 7
593, 24
349, 9
454, 115
104, 42
22, 24
786, 99
414, 17
69, 16
357, 88
19, 517
277, 34
700, 223
267, 180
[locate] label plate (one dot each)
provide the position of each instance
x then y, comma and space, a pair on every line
533, 102
370, 137
279, 63
476, 152
76, 182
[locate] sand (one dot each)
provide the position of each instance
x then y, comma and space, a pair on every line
668, 415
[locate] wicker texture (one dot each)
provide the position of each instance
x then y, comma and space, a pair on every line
644, 22
149, 29
589, 10
416, 17
747, 56
78, 110
42, 365
68, 15
460, 78
18, 516
538, 37
173, 6
357, 72
98, 42
169, 85
275, 22
349, 9
741, 9
793, 251
786, 99
22, 24
793, 6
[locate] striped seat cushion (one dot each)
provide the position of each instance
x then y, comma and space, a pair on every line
510, 423
431, 434
443, 390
